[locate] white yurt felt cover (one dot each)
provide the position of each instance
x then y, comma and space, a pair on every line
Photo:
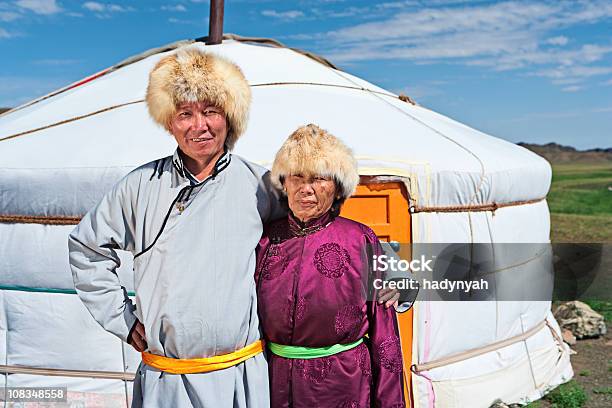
58, 156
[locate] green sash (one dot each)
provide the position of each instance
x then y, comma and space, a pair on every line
310, 352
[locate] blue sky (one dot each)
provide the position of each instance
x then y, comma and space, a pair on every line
536, 71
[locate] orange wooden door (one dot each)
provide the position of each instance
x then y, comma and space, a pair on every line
384, 208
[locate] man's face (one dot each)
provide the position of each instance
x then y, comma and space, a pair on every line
200, 129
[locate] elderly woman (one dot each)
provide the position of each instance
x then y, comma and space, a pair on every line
192, 222
331, 345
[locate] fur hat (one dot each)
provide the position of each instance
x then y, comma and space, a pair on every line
311, 150
191, 75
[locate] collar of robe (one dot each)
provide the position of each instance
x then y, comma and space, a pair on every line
300, 229
220, 165
185, 193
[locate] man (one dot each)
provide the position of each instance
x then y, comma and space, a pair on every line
192, 222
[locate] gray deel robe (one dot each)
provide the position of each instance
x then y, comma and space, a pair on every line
194, 248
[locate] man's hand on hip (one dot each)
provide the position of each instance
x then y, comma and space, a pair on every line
137, 337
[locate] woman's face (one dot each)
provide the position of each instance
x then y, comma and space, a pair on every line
309, 196
200, 129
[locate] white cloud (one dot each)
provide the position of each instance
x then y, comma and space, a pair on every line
348, 12
500, 18
301, 37
5, 34
178, 7
105, 8
454, 45
392, 5
573, 75
511, 22
602, 110
573, 88
8, 16
94, 6
198, 23
177, 21
283, 15
567, 81
499, 36
520, 58
452, 2
115, 7
40, 6
369, 12
560, 40
578, 71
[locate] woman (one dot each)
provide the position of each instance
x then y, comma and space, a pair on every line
314, 287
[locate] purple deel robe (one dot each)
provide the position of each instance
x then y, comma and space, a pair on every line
313, 282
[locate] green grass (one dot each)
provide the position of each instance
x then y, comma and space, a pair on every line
602, 184
560, 170
603, 390
581, 228
581, 189
568, 395
602, 307
584, 373
575, 173
579, 200
580, 203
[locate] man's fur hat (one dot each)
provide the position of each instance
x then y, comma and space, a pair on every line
191, 75
311, 150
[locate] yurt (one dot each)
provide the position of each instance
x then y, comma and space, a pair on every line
425, 178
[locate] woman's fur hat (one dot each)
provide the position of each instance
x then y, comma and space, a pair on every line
311, 150
191, 75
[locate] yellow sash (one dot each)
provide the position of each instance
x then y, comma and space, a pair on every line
202, 365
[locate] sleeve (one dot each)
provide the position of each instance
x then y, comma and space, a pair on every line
93, 257
268, 196
385, 349
261, 250
272, 196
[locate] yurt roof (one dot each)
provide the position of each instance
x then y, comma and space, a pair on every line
87, 136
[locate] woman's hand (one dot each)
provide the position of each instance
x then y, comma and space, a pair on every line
137, 337
389, 297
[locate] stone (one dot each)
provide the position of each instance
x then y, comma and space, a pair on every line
500, 404
568, 337
580, 319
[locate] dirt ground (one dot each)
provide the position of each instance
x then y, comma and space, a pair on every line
593, 370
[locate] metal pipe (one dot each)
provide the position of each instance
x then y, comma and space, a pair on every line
215, 23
